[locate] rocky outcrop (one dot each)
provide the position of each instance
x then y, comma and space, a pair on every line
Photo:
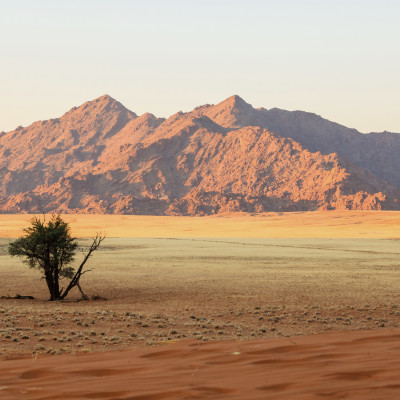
103, 158
376, 152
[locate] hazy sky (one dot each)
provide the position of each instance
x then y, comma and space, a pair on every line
339, 59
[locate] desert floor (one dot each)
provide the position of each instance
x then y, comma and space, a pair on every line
209, 279
313, 224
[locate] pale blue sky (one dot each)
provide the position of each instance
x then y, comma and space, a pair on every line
339, 59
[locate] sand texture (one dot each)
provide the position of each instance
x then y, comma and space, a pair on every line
356, 365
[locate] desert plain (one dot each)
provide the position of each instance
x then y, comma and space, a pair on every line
278, 305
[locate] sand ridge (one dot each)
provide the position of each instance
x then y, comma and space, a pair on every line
355, 365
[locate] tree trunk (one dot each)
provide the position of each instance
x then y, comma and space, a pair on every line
56, 281
53, 287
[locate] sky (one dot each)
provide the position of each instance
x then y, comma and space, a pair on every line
338, 59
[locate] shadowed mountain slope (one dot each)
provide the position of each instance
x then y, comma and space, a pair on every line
103, 158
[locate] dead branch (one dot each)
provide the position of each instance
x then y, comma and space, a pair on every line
18, 297
79, 272
98, 298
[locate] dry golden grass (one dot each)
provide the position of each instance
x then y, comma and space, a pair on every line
162, 290
228, 284
332, 224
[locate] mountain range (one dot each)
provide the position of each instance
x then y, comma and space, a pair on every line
230, 157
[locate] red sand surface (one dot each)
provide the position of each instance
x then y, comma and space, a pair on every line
340, 365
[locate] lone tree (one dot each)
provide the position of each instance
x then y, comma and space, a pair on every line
50, 248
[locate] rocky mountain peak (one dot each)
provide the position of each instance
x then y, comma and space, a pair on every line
102, 158
102, 105
235, 102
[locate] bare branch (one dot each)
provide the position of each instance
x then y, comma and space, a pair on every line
79, 272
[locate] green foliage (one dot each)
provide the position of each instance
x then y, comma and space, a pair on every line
47, 246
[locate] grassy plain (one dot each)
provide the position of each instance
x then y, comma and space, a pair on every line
209, 278
313, 224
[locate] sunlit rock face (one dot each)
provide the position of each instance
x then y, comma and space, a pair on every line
229, 157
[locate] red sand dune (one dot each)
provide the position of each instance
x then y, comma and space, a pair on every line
341, 365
